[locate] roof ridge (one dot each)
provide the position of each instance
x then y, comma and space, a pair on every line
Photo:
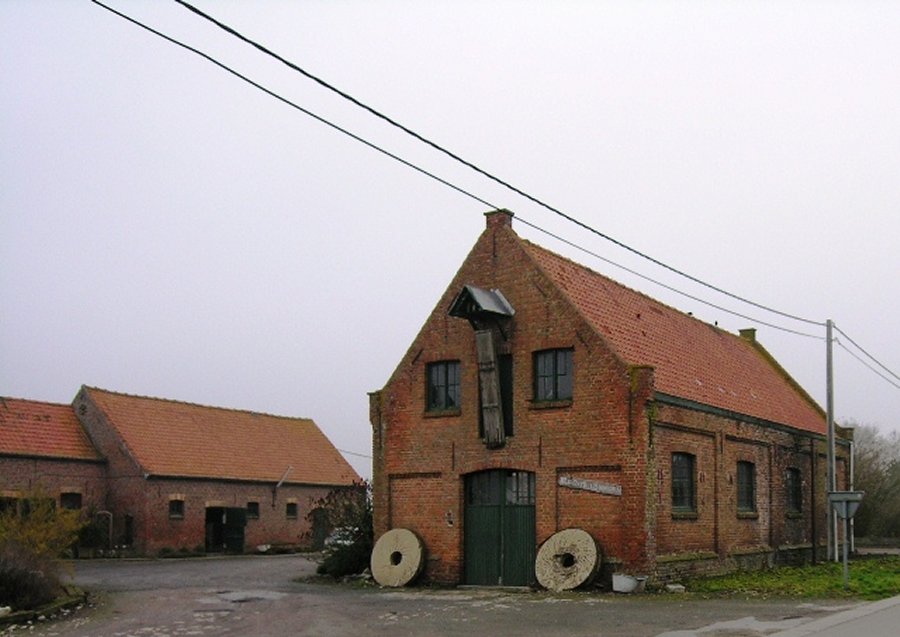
644, 295
33, 401
199, 405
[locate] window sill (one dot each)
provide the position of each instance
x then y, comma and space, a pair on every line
442, 413
685, 515
794, 515
549, 404
176, 517
748, 515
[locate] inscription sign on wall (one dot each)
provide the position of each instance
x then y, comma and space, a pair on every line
590, 485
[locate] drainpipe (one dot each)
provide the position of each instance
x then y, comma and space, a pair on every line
852, 452
280, 482
829, 406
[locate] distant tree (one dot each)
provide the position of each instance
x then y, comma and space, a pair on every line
877, 472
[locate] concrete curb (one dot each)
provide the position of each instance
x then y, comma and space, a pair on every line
837, 619
73, 598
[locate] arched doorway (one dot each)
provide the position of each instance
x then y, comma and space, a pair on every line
499, 532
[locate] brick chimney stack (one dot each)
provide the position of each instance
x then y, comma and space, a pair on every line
499, 218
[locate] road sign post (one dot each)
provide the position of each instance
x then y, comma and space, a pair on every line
845, 503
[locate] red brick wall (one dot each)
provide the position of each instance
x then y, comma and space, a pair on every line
21, 476
719, 443
147, 500
430, 507
421, 461
158, 531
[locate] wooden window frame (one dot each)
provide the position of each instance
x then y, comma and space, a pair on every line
66, 500
684, 484
554, 375
176, 509
745, 485
442, 387
793, 486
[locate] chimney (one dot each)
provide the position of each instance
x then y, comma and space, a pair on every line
499, 218
748, 334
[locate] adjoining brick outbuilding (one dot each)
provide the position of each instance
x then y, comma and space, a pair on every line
540, 395
44, 452
169, 475
183, 475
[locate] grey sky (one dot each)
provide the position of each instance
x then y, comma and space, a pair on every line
167, 230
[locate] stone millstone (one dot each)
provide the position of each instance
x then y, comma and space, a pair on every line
567, 560
398, 558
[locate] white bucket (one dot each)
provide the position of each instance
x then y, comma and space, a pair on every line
623, 583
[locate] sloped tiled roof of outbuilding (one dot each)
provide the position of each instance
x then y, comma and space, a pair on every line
177, 439
692, 360
50, 430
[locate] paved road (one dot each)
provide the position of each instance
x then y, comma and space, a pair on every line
879, 619
262, 596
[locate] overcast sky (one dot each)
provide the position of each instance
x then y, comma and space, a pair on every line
168, 230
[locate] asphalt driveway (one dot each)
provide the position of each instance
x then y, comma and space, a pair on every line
273, 596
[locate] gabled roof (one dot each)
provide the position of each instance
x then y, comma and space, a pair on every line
692, 360
38, 429
177, 439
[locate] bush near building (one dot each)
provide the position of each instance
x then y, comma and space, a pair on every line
347, 513
34, 534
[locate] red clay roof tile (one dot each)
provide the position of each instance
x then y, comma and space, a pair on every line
691, 359
33, 428
171, 438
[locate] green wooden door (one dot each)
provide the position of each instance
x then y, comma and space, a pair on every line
499, 528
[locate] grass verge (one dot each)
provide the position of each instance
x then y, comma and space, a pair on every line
870, 578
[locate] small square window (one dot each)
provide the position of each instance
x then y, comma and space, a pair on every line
176, 509
9, 504
443, 386
291, 511
553, 375
253, 510
70, 501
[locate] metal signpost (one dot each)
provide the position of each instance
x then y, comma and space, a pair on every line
845, 503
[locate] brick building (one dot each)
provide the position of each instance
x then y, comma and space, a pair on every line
45, 452
173, 474
540, 395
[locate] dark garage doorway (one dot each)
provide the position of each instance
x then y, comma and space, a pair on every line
225, 529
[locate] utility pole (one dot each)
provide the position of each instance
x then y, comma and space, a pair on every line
829, 409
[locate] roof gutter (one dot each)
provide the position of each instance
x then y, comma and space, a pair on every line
675, 401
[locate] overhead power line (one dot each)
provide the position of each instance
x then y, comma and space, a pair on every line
440, 180
353, 453
303, 110
483, 172
427, 173
664, 285
868, 355
864, 363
